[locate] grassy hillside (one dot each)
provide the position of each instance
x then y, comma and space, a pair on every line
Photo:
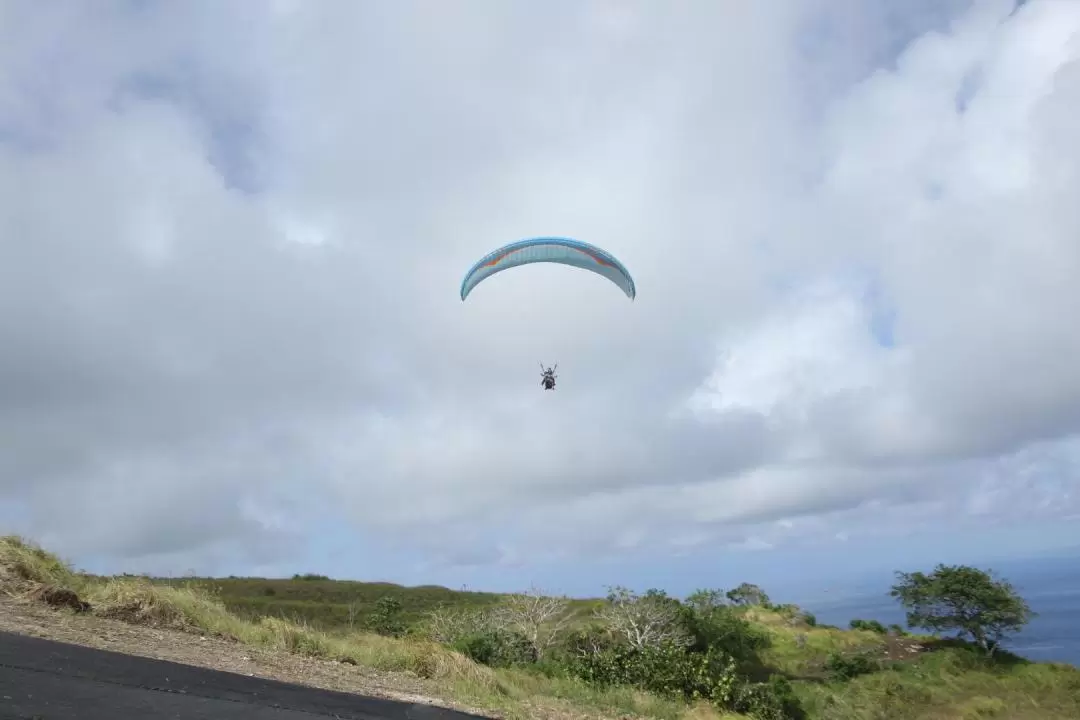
336, 605
324, 603
767, 662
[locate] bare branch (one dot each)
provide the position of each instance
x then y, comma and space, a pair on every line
354, 611
538, 617
448, 624
645, 621
592, 641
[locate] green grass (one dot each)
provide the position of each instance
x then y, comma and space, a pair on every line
947, 684
948, 681
806, 657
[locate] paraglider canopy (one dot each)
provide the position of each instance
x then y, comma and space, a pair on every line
564, 251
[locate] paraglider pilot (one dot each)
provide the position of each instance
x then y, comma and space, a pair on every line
547, 377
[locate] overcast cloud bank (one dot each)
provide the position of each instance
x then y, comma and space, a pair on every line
231, 237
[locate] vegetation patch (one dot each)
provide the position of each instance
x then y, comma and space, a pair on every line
714, 654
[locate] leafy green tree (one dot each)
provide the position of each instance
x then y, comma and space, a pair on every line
964, 599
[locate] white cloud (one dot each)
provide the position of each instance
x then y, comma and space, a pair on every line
230, 250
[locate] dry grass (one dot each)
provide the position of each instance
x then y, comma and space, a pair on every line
24, 566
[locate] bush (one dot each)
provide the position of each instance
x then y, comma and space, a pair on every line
846, 667
666, 669
671, 670
871, 625
449, 625
725, 629
386, 618
793, 614
772, 700
585, 641
748, 594
496, 648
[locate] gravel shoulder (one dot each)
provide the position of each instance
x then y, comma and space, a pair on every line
33, 619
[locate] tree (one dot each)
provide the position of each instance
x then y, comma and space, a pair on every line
353, 613
714, 625
386, 618
965, 599
537, 617
705, 601
748, 594
645, 621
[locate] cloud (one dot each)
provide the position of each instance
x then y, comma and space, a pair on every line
230, 248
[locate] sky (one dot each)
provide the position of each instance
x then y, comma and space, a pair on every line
232, 236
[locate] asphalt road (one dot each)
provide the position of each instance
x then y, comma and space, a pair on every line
46, 680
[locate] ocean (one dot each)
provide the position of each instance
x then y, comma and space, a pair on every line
1050, 586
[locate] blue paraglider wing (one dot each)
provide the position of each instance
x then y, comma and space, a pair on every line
564, 251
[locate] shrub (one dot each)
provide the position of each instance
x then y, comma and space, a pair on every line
386, 618
585, 641
845, 667
725, 629
496, 648
673, 671
871, 625
748, 594
448, 625
772, 700
666, 669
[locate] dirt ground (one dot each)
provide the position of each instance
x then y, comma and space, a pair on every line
901, 648
27, 618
